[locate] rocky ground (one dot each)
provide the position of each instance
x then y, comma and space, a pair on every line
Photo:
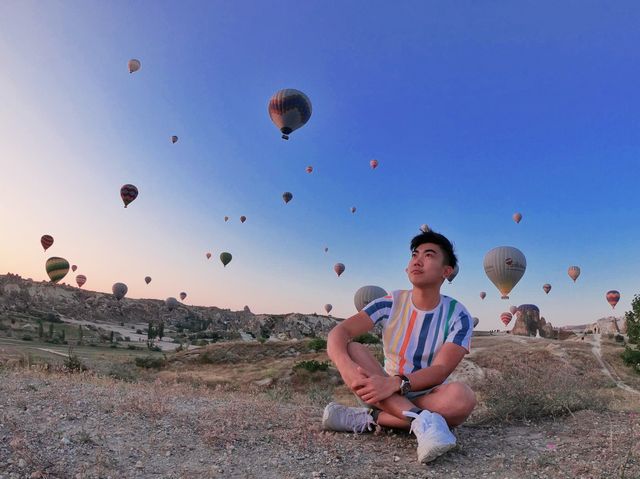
56, 425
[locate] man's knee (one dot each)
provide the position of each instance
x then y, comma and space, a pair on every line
463, 397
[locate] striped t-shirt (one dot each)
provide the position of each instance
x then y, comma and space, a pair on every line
411, 338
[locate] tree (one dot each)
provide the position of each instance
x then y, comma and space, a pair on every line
40, 329
150, 331
161, 330
80, 334
111, 337
50, 330
633, 320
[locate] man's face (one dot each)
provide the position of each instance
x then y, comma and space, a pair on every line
427, 265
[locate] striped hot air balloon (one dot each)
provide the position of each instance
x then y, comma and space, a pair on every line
46, 241
57, 268
225, 258
613, 297
546, 288
134, 65
573, 272
128, 193
289, 110
287, 196
366, 294
80, 280
309, 169
505, 266
338, 268
506, 318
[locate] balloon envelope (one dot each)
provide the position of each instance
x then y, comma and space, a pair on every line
57, 268
613, 297
208, 255
226, 218
366, 294
147, 279
475, 322
289, 109
74, 268
338, 268
326, 249
373, 164
574, 272
328, 308
174, 139
505, 266
46, 241
243, 219
517, 217
128, 193
183, 296
309, 169
546, 288
483, 295
119, 290
225, 258
133, 65
506, 318
80, 280
513, 309
287, 196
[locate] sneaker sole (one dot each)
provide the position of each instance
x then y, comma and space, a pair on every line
437, 452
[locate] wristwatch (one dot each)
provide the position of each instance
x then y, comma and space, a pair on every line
405, 385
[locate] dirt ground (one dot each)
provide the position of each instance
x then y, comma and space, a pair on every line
193, 421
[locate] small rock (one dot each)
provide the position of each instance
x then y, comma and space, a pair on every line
21, 463
167, 454
396, 458
139, 465
65, 440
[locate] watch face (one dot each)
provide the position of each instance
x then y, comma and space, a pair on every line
405, 387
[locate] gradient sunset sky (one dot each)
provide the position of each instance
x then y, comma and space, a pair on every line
474, 110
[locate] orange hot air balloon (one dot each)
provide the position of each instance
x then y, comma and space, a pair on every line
574, 272
309, 169
506, 318
546, 288
517, 217
613, 297
133, 65
373, 164
81, 279
339, 268
46, 241
243, 219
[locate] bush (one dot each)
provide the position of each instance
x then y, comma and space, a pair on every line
151, 362
122, 372
318, 344
633, 321
134, 348
73, 364
27, 337
312, 365
631, 357
367, 338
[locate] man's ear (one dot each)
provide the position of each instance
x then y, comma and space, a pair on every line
447, 271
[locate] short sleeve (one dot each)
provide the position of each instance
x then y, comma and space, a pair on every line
460, 328
379, 309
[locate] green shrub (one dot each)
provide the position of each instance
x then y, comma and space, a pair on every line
312, 365
134, 348
73, 364
631, 357
318, 344
367, 338
122, 372
151, 362
27, 337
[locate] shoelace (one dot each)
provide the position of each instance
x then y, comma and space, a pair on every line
417, 424
361, 423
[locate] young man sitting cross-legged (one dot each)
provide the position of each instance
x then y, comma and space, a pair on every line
425, 336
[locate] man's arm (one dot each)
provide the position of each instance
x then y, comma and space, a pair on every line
444, 363
338, 339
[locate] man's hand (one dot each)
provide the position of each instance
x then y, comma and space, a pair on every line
375, 388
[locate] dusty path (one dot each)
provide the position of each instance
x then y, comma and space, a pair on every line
596, 349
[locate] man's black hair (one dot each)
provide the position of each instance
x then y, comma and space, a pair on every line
440, 240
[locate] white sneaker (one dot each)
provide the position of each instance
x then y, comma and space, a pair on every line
434, 436
337, 417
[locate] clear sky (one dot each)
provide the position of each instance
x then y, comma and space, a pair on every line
475, 110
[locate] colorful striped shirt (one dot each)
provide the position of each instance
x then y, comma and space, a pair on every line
411, 338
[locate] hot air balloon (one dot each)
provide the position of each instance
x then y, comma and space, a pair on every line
328, 308
513, 309
226, 218
243, 219
119, 290
366, 294
338, 268
506, 318
208, 255
174, 139
373, 164
517, 217
289, 109
46, 241
326, 249
225, 258
171, 303
475, 322
286, 196
453, 274
504, 266
613, 297
147, 279
183, 296
353, 209
81, 279
483, 295
425, 228
309, 169
133, 65
574, 272
546, 288
128, 193
74, 268
57, 268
